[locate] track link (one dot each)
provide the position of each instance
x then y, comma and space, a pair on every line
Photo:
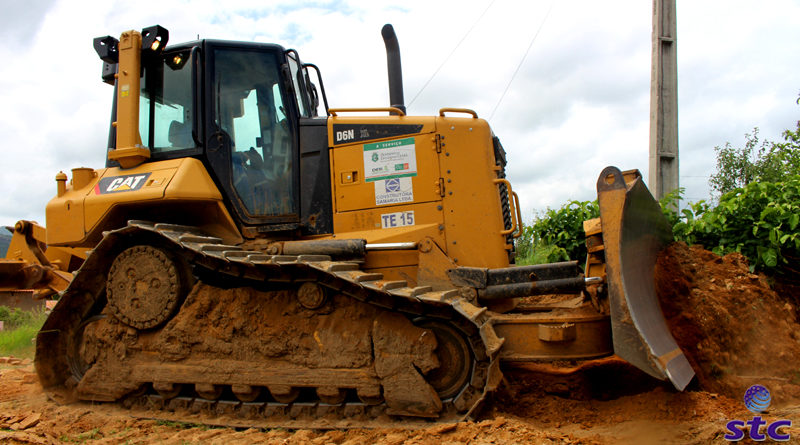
61, 369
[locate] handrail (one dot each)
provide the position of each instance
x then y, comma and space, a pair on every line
458, 110
516, 216
394, 110
519, 215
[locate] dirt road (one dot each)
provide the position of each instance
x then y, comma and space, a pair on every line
734, 329
654, 415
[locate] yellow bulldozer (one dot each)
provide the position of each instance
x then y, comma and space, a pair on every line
245, 256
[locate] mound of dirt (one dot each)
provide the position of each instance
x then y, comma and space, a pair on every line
735, 330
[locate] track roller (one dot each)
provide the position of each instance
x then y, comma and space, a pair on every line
208, 391
284, 394
331, 395
167, 390
246, 393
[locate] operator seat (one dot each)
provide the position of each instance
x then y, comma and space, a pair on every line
180, 135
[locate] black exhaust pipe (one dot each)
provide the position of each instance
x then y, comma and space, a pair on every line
395, 69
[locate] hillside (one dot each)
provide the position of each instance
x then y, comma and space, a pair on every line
5, 239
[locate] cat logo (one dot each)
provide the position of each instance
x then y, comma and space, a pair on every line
118, 184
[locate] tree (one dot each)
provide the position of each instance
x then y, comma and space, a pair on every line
736, 167
756, 161
782, 158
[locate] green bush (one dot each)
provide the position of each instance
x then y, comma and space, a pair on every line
15, 317
557, 235
759, 220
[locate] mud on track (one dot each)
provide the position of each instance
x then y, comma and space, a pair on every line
734, 329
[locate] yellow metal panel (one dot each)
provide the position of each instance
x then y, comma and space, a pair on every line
61, 256
64, 213
391, 258
472, 209
153, 178
76, 214
456, 201
366, 224
357, 213
213, 218
395, 265
354, 190
18, 249
192, 181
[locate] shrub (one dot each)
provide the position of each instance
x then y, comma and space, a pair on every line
15, 317
759, 220
557, 235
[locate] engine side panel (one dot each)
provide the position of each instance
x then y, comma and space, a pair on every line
438, 184
176, 191
473, 212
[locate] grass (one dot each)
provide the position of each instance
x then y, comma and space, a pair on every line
82, 437
542, 254
182, 425
17, 340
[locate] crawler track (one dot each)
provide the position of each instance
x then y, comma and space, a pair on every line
181, 385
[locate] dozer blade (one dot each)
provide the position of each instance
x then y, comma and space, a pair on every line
634, 233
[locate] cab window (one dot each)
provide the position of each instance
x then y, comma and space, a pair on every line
250, 110
165, 104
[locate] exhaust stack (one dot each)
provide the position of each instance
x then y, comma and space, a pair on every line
395, 69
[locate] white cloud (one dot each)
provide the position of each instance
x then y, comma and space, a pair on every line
579, 102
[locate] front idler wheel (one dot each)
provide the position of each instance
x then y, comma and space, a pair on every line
455, 359
145, 286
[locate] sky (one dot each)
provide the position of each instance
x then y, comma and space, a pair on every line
564, 84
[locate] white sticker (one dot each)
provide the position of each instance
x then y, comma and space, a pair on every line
390, 159
393, 191
398, 219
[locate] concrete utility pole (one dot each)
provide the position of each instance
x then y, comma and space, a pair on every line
664, 100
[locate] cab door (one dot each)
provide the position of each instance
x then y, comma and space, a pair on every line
251, 133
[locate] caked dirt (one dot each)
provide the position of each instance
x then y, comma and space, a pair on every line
734, 329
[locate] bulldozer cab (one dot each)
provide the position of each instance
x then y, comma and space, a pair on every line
236, 107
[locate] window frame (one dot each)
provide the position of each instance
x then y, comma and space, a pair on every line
299, 80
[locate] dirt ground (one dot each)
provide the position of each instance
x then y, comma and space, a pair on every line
735, 330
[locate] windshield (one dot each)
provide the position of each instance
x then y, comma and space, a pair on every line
165, 103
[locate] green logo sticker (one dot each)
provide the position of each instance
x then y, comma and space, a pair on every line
390, 159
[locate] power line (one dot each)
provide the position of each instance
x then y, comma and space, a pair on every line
451, 53
541, 25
